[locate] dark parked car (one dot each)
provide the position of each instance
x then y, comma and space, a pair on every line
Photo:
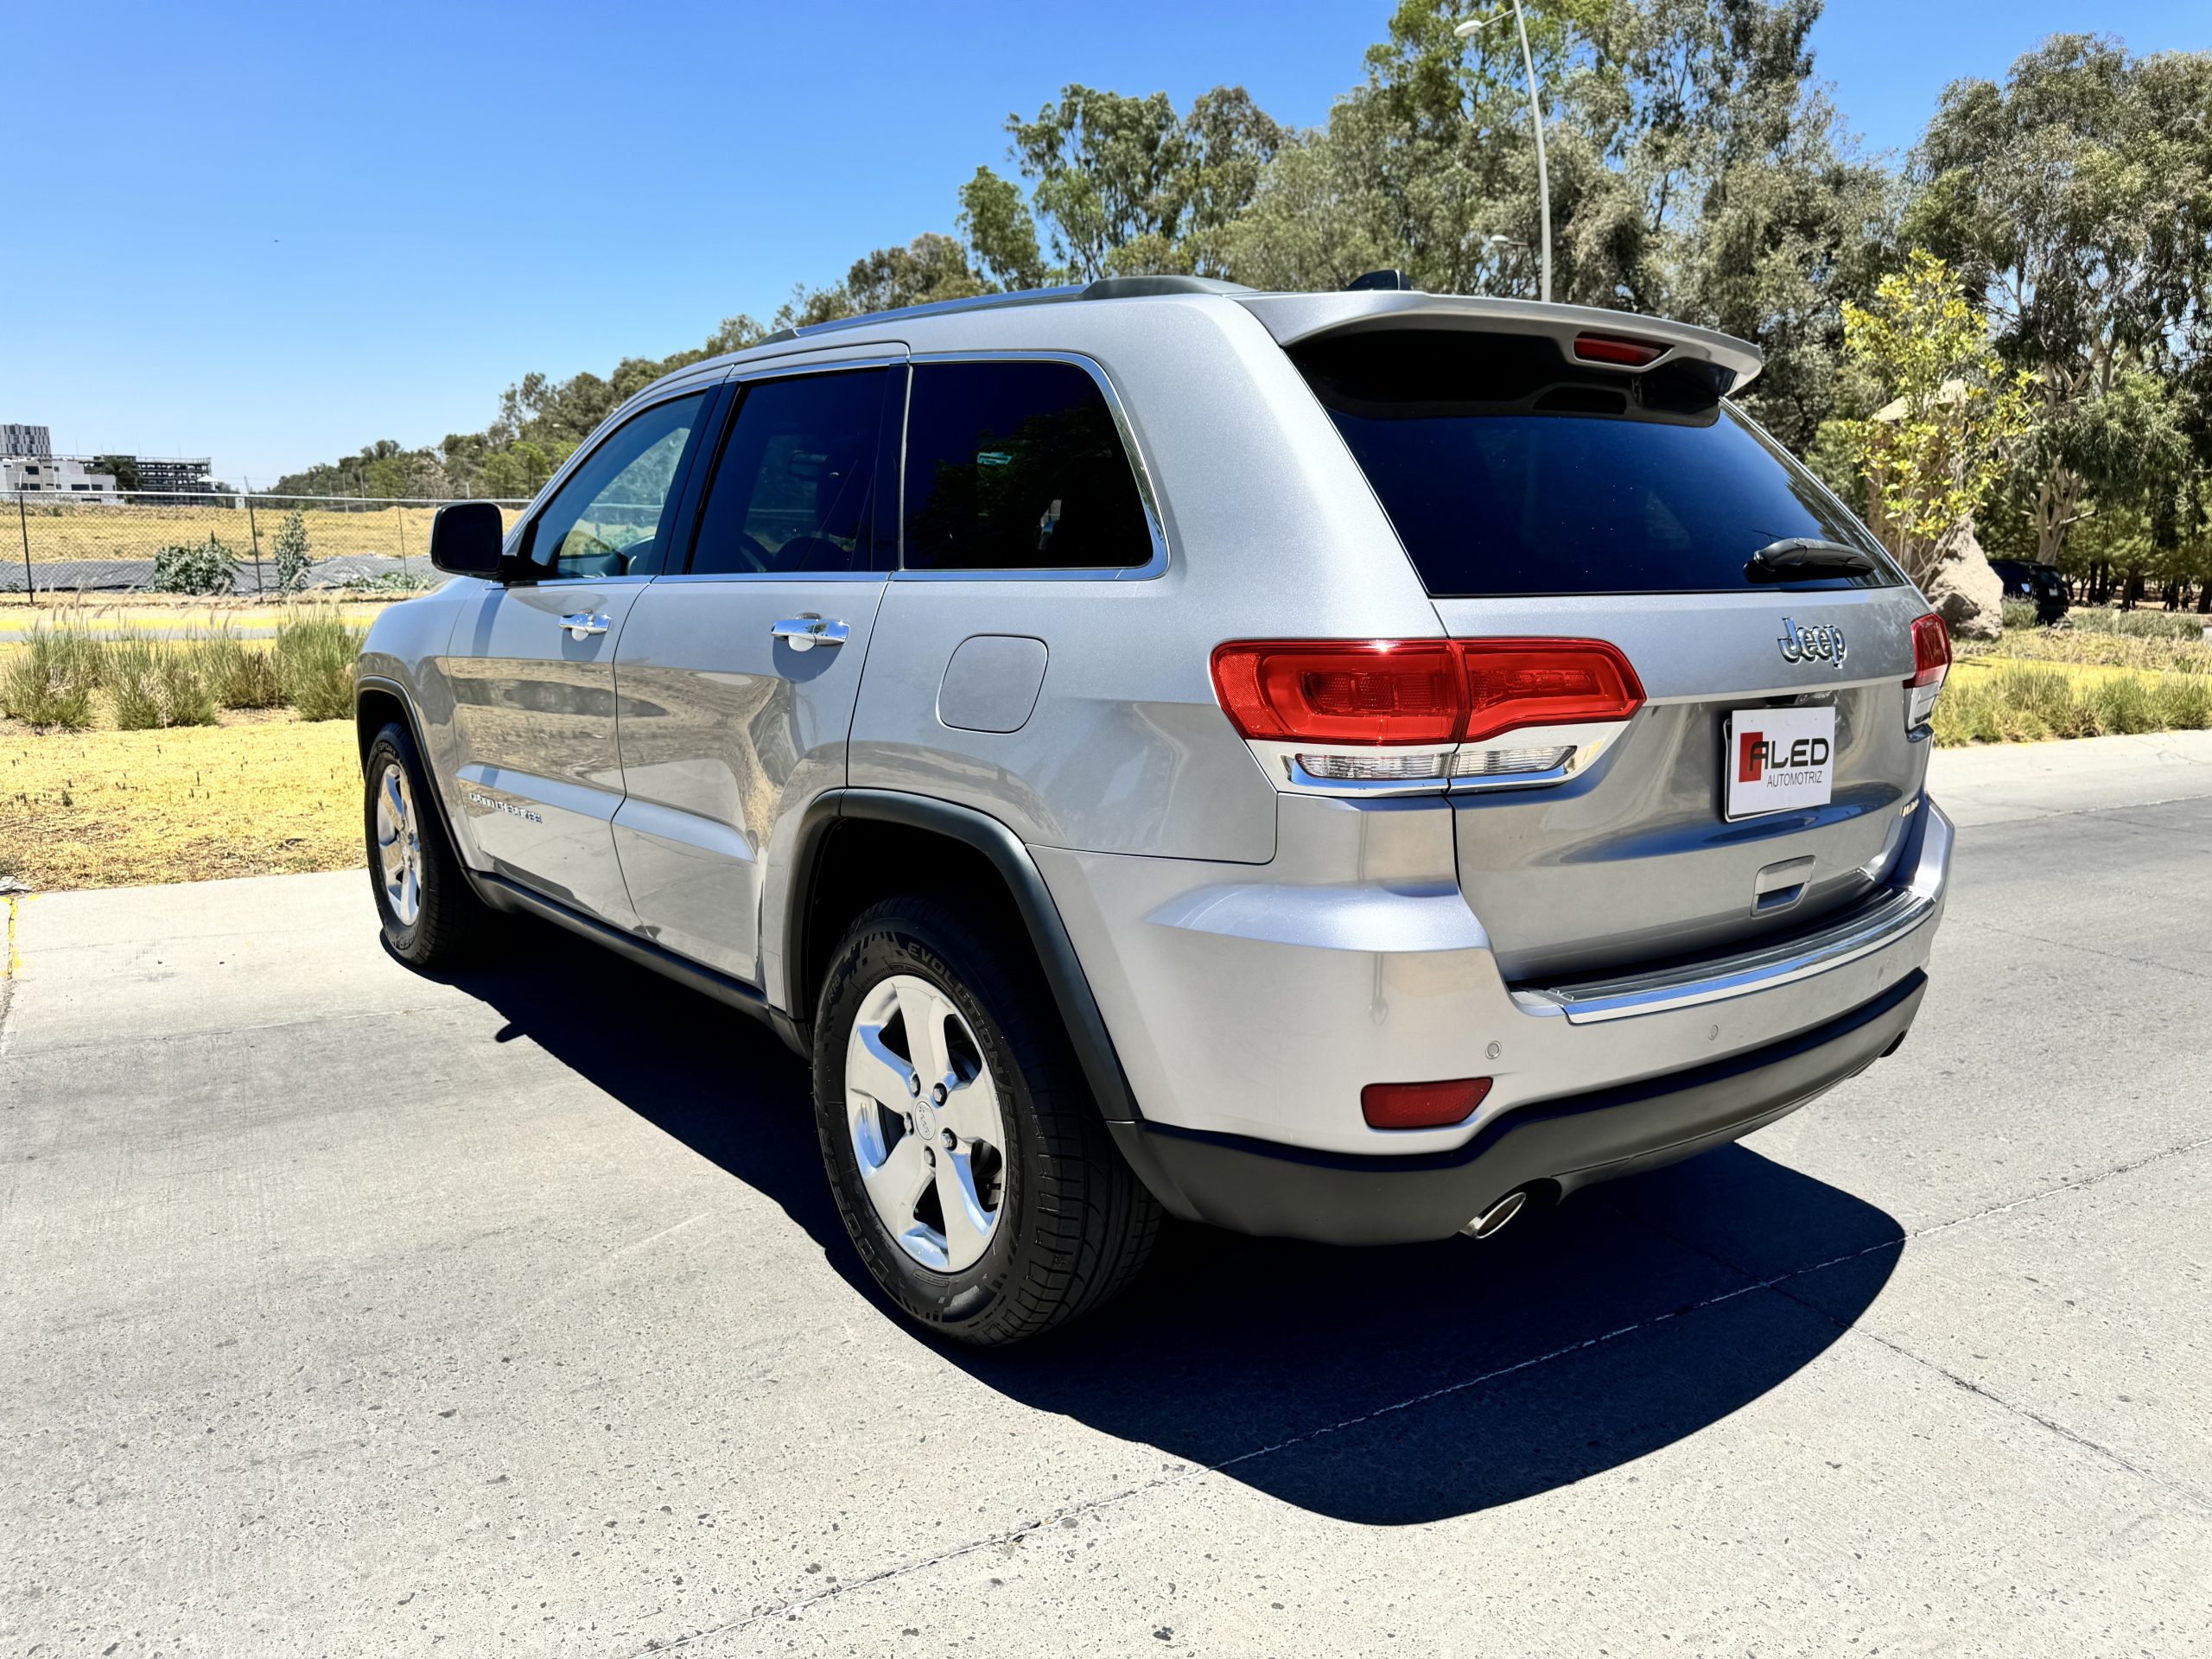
2026, 579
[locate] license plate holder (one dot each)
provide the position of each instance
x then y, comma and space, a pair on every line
1777, 759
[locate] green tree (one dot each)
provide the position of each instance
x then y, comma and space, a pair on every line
125, 468
2076, 200
1001, 233
932, 267
1121, 185
1697, 171
1930, 455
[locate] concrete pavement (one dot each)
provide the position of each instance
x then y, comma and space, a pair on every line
349, 1311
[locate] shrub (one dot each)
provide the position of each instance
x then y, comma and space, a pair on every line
239, 674
391, 582
50, 681
2138, 625
156, 684
315, 665
2183, 704
210, 567
293, 555
2123, 704
2019, 614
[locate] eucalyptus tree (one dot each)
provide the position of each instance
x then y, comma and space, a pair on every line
2076, 199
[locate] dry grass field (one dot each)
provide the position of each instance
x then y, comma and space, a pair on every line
260, 793
81, 531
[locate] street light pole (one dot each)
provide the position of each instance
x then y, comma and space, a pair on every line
1466, 30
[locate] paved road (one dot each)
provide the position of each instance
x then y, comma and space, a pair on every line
345, 1312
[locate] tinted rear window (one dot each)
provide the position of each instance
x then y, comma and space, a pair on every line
1507, 469
1018, 466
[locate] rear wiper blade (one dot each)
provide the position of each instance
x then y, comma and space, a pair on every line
1795, 558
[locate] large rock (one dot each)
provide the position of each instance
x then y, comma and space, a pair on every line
1964, 591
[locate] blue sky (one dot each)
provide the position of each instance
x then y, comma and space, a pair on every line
272, 233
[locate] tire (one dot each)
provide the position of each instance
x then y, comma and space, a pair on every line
448, 922
1070, 1224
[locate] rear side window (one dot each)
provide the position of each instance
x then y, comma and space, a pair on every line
790, 492
1018, 466
1507, 469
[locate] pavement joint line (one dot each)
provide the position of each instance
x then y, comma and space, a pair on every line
167, 1037
2188, 1494
2111, 1454
2086, 950
1187, 1475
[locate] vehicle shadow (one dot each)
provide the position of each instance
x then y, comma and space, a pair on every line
1382, 1386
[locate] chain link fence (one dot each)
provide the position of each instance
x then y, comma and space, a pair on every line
132, 541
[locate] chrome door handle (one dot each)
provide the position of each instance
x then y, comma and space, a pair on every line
805, 632
583, 625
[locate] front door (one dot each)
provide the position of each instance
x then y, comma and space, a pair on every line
738, 673
532, 668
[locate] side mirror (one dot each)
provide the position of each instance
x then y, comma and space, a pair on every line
466, 538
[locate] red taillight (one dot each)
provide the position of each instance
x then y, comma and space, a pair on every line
1341, 690
1614, 348
1931, 650
1432, 692
1421, 1105
1931, 664
1544, 683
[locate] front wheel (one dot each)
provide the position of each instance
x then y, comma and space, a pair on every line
967, 1157
431, 917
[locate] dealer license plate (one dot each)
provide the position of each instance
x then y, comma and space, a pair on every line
1778, 759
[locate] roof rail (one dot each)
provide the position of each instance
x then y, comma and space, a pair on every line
1131, 287
1106, 288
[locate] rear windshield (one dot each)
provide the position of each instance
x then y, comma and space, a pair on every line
1507, 469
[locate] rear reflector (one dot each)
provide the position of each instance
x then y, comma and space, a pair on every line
1614, 348
1419, 693
1421, 1105
1931, 666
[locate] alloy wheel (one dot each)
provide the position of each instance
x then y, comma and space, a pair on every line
927, 1130
399, 847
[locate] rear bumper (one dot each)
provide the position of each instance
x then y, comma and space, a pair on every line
1266, 1188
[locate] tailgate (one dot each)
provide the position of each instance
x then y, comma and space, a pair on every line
1636, 861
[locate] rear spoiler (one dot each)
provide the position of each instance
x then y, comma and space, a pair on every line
1301, 319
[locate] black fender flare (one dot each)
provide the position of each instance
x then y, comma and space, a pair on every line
1033, 900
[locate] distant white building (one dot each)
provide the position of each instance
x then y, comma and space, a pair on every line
17, 441
68, 473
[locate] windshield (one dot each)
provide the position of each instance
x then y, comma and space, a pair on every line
1507, 469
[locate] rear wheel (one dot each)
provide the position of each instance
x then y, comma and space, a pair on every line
431, 917
968, 1160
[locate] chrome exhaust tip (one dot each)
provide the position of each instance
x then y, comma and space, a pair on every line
1494, 1218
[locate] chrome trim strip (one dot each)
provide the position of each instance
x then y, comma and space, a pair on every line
1861, 933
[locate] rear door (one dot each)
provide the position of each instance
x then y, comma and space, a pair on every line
1541, 498
739, 667
531, 668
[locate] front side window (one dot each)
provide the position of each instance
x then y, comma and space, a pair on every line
791, 493
607, 518
1018, 466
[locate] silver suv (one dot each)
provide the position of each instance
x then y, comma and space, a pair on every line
1346, 766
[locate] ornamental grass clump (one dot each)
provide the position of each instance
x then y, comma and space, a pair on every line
154, 685
50, 681
315, 665
242, 676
